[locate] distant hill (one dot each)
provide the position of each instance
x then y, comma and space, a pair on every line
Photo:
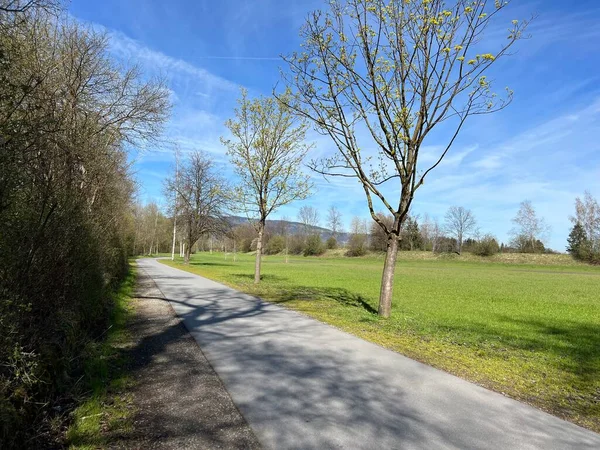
292, 227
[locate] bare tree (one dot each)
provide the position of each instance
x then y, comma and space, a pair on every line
460, 223
308, 216
436, 235
334, 220
203, 198
530, 230
426, 230
15, 7
267, 150
381, 75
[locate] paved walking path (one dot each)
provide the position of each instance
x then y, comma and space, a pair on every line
302, 384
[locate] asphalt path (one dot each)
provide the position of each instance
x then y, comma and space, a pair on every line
302, 384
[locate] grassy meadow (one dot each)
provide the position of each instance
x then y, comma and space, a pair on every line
524, 325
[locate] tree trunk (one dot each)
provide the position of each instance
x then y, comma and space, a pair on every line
259, 244
187, 251
387, 279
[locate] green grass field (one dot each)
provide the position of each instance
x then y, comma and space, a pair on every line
526, 327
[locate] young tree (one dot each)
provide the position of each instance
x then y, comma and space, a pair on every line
266, 151
578, 241
437, 235
460, 223
203, 198
375, 74
334, 220
530, 231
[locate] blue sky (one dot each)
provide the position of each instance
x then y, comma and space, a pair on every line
545, 147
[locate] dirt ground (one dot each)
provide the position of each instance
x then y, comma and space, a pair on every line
180, 401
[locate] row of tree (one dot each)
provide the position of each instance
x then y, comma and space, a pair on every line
67, 113
458, 231
395, 70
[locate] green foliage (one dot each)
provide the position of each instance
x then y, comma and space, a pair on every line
486, 246
529, 330
577, 241
331, 243
314, 246
266, 151
246, 245
411, 236
296, 244
275, 245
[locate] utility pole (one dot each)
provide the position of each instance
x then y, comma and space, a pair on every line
286, 249
175, 209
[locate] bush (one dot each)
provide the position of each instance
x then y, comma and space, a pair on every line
246, 245
487, 246
331, 243
445, 245
357, 245
314, 246
296, 245
523, 244
275, 245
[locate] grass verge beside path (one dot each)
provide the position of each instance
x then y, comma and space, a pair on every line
108, 409
528, 329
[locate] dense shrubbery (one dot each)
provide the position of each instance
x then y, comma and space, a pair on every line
331, 243
296, 244
486, 246
314, 246
275, 245
65, 206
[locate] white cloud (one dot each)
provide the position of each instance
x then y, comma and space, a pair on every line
130, 50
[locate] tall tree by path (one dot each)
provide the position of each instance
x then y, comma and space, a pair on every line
266, 149
203, 198
378, 76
